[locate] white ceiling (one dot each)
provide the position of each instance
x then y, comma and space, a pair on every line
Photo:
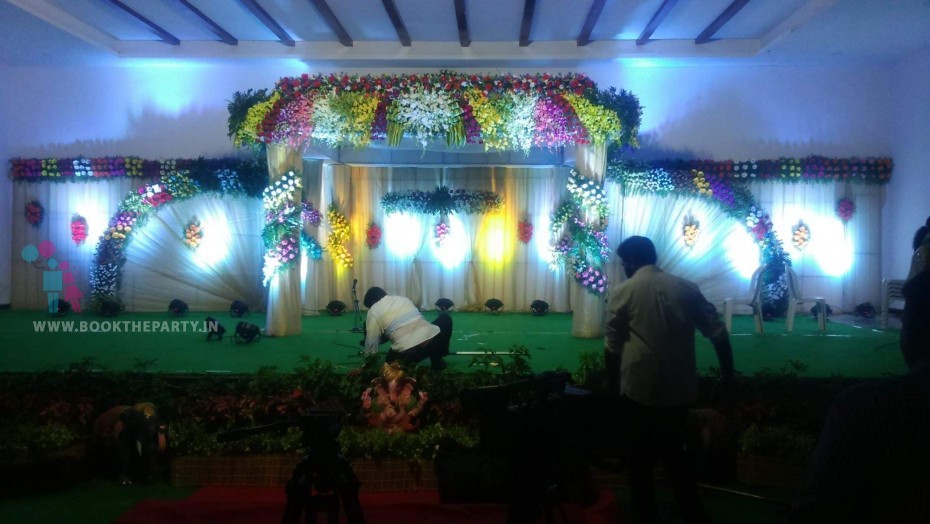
84, 32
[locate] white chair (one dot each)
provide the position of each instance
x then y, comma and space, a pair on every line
892, 291
754, 301
795, 298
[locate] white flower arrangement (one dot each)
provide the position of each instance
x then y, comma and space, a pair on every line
589, 195
753, 217
279, 194
521, 122
426, 115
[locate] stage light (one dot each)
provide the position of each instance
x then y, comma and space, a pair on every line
247, 333
743, 252
497, 248
403, 234
238, 308
830, 247
455, 247
177, 308
216, 240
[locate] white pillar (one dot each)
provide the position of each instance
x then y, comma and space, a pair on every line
589, 309
283, 317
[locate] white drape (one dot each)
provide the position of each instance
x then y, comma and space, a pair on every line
842, 263
482, 260
227, 266
95, 200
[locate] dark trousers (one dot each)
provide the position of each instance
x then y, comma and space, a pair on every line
434, 349
651, 435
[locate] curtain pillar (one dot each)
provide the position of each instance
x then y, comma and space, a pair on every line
589, 309
283, 317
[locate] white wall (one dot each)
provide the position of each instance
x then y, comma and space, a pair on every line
908, 197
709, 111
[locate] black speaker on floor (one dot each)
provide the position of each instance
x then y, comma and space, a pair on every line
238, 309
177, 308
247, 333
214, 329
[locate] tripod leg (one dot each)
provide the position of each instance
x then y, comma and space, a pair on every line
296, 501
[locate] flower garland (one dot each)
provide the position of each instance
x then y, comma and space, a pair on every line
310, 246
193, 234
246, 173
525, 231
339, 234
35, 213
807, 169
441, 232
78, 229
442, 201
845, 209
282, 223
588, 195
690, 231
502, 111
800, 236
373, 235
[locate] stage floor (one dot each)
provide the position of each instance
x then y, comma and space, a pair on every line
159, 343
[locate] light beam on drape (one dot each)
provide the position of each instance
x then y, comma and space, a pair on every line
284, 290
589, 309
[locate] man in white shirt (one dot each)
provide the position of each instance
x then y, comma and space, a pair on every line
649, 352
412, 337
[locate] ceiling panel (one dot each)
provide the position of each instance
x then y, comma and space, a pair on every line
495, 20
689, 18
428, 20
624, 20
233, 17
106, 18
300, 19
758, 18
367, 19
559, 19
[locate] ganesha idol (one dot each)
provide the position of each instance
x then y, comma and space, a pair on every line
392, 402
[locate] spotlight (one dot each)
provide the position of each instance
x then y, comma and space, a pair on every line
177, 308
214, 329
247, 333
238, 309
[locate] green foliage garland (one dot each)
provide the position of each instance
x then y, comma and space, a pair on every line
442, 201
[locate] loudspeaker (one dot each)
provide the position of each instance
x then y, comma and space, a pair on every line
238, 309
177, 308
247, 333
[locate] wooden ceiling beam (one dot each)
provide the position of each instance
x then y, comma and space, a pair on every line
215, 28
259, 12
334, 24
656, 21
165, 36
584, 37
462, 21
397, 21
527, 24
721, 20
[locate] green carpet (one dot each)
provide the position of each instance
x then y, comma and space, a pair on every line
845, 350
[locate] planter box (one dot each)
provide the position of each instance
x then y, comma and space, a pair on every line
776, 472
276, 470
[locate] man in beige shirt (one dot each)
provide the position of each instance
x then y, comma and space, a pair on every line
649, 352
412, 337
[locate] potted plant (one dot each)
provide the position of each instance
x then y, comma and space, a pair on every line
336, 307
539, 307
444, 305
494, 305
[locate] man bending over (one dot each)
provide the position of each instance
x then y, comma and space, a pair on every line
412, 337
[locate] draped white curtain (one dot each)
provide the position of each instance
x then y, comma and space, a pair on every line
95, 200
721, 261
482, 259
842, 263
227, 266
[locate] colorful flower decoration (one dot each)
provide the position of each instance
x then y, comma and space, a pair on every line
78, 229
373, 235
309, 214
592, 278
587, 194
690, 231
525, 231
800, 236
101, 168
442, 201
701, 183
845, 209
282, 225
339, 234
582, 247
441, 233
35, 213
193, 234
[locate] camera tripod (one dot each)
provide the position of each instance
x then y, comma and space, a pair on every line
323, 479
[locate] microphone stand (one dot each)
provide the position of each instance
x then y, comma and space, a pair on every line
357, 322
